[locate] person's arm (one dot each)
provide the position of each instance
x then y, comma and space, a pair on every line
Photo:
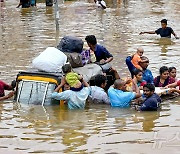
116, 75
109, 60
173, 85
109, 57
7, 96
137, 91
175, 35
150, 32
63, 82
174, 90
85, 83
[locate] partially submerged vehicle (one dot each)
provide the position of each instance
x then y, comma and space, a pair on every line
36, 87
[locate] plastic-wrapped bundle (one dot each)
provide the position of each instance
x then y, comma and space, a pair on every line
50, 60
71, 44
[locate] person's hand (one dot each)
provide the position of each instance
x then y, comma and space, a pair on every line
172, 90
10, 94
135, 80
63, 81
128, 80
102, 61
141, 33
166, 87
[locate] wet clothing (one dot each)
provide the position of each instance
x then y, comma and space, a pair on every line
98, 95
164, 32
4, 86
168, 81
151, 103
75, 99
135, 61
141, 83
101, 53
72, 78
25, 3
102, 2
119, 98
147, 76
178, 83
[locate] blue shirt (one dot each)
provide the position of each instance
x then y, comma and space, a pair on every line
119, 98
101, 53
75, 99
147, 76
151, 103
164, 32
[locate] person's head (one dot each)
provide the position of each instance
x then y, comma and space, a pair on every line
67, 86
148, 89
163, 23
140, 51
164, 72
120, 84
100, 81
66, 68
145, 62
172, 72
91, 41
138, 74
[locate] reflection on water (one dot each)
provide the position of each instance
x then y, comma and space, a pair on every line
98, 129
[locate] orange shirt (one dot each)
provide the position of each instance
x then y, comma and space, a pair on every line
135, 61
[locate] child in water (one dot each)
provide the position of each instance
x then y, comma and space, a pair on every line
136, 58
71, 78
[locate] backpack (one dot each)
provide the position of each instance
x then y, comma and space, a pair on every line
75, 59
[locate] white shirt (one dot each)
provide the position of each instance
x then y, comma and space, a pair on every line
102, 2
75, 99
98, 95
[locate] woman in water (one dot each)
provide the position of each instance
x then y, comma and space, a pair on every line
163, 79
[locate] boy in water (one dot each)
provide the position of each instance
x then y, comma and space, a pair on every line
152, 101
73, 79
164, 31
136, 58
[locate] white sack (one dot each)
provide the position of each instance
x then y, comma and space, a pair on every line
50, 60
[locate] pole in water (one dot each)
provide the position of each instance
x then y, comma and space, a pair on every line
56, 14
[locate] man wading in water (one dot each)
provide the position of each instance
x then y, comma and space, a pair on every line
164, 31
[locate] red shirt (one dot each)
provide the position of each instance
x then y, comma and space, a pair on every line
3, 86
178, 83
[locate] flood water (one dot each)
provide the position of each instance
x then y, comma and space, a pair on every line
24, 33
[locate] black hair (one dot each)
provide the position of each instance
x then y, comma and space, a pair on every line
150, 86
163, 69
164, 21
66, 68
136, 71
99, 80
91, 39
171, 68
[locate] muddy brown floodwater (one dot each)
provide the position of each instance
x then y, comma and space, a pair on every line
24, 33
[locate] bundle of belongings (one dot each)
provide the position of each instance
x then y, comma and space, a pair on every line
72, 48
69, 50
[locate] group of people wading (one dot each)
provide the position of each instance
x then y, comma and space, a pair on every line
123, 91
